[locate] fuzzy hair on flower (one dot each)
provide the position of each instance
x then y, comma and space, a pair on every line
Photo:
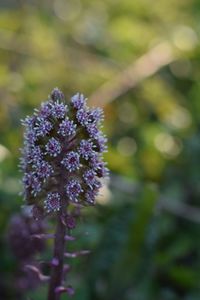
62, 157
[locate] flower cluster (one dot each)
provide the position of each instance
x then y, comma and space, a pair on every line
62, 157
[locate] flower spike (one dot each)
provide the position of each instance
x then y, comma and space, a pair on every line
63, 171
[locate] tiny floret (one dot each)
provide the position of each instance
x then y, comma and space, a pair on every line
52, 203
44, 111
36, 186
31, 180
90, 196
67, 128
43, 169
73, 190
101, 142
99, 166
53, 147
57, 95
33, 154
43, 127
28, 122
82, 117
92, 130
78, 101
86, 149
30, 136
89, 177
71, 161
95, 115
58, 110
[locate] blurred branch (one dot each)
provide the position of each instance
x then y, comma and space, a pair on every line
182, 210
179, 209
145, 66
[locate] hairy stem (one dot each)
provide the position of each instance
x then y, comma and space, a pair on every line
58, 256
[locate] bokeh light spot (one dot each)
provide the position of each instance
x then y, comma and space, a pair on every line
104, 195
168, 145
185, 38
4, 152
180, 118
127, 146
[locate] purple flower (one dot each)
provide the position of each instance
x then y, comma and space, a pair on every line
28, 122
82, 117
57, 95
78, 101
102, 170
30, 136
52, 202
90, 196
23, 163
53, 147
89, 176
43, 127
58, 110
31, 180
73, 190
92, 130
94, 160
36, 186
98, 165
44, 111
71, 161
67, 128
27, 179
43, 169
95, 115
33, 154
86, 149
91, 193
62, 164
101, 141
63, 141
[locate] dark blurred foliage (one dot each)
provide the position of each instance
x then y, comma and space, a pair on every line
21, 237
141, 60
24, 245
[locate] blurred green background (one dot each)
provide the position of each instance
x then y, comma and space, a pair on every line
140, 60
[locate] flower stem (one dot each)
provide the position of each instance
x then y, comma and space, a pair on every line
58, 256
